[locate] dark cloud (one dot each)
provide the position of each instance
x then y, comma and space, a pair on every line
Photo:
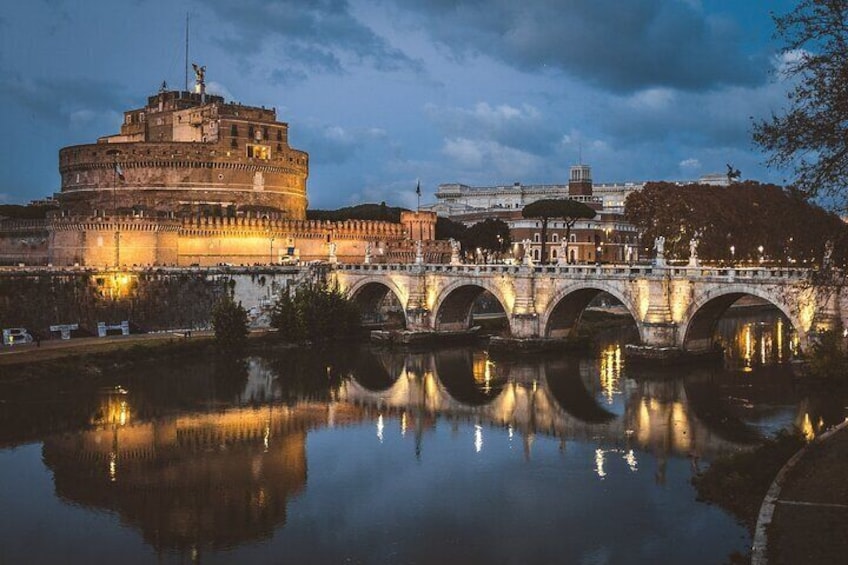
55, 100
316, 35
621, 46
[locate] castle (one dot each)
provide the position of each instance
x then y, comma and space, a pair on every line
191, 179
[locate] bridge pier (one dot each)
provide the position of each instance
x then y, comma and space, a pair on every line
524, 326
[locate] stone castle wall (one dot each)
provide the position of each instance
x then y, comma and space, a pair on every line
207, 241
24, 241
175, 178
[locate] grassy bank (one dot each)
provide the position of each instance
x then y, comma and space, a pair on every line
738, 483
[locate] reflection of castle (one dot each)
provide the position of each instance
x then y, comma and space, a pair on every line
192, 179
190, 481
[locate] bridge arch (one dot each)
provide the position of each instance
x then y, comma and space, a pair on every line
563, 312
452, 309
699, 323
370, 292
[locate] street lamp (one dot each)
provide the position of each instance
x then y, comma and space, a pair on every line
760, 249
732, 253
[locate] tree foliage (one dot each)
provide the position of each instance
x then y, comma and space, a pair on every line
316, 312
378, 212
557, 208
491, 235
811, 137
743, 215
229, 320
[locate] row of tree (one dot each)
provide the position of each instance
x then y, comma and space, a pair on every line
744, 221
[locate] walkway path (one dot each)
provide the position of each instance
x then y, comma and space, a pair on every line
810, 520
56, 348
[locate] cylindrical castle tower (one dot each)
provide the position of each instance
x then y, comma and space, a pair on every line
187, 154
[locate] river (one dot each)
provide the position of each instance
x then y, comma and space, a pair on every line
361, 455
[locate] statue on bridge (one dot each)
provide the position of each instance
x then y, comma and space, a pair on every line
693, 251
456, 258
659, 247
528, 256
332, 253
419, 253
368, 252
562, 257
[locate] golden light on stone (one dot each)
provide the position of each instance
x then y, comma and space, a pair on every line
643, 299
507, 293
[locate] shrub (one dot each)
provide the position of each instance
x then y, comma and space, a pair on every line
229, 319
316, 312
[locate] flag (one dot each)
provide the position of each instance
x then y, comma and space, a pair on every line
119, 171
418, 189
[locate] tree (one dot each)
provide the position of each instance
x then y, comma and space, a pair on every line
316, 312
229, 320
449, 229
569, 210
743, 216
811, 137
491, 235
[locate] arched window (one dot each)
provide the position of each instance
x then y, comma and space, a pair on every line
555, 238
572, 238
536, 254
537, 238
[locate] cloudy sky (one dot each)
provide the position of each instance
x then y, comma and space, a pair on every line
384, 92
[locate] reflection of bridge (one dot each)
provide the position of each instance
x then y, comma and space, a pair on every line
673, 307
556, 398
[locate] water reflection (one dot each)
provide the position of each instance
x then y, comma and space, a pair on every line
201, 456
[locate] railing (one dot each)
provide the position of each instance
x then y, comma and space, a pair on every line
592, 271
604, 271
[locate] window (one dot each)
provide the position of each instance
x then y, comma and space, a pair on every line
536, 254
572, 238
265, 132
279, 135
555, 238
234, 130
250, 131
537, 238
258, 151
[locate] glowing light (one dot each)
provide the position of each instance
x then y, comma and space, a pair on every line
402, 424
630, 459
123, 415
599, 463
807, 429
266, 437
380, 428
610, 372
478, 438
510, 432
113, 466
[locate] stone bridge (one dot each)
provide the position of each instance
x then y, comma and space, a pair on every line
673, 307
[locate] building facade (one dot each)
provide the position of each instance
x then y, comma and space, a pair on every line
606, 238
